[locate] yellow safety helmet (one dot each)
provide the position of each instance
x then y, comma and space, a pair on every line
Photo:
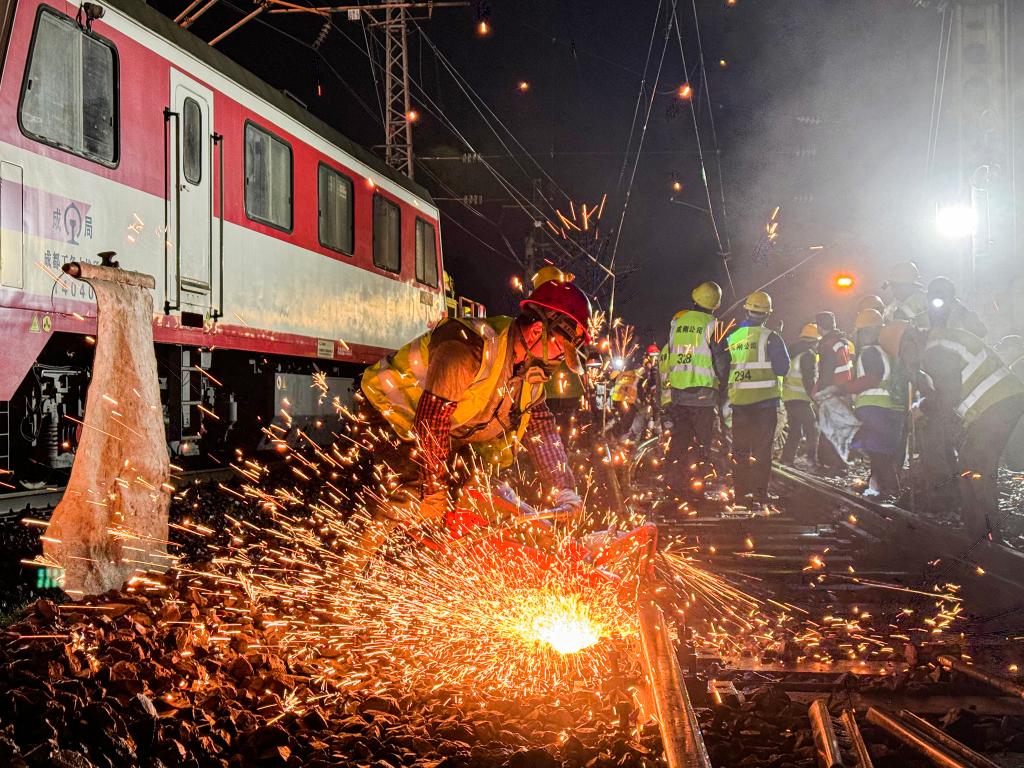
867, 318
905, 272
759, 302
550, 272
871, 302
708, 295
810, 331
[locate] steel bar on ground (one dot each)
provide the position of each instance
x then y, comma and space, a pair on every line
999, 683
943, 738
853, 734
680, 732
899, 526
915, 739
830, 755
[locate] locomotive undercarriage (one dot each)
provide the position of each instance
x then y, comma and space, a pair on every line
214, 400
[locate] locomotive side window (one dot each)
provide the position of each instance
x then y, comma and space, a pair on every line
426, 253
69, 96
387, 234
192, 141
335, 200
268, 178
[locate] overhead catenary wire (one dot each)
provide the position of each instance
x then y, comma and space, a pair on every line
639, 152
639, 97
320, 57
703, 169
377, 89
938, 91
480, 106
447, 188
518, 197
706, 88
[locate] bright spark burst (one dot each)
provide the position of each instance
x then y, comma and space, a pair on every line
561, 621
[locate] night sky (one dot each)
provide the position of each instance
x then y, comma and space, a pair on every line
822, 108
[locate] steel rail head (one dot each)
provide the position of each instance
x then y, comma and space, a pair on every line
860, 749
943, 738
830, 755
680, 731
994, 681
916, 739
830, 752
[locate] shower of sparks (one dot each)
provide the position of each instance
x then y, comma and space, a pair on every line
511, 608
475, 616
736, 621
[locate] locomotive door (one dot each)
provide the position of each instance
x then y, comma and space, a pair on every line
193, 243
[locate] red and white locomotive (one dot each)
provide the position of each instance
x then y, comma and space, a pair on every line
279, 246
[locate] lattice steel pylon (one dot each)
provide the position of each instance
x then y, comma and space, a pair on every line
397, 104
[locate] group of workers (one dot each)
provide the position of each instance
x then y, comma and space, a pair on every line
916, 376
471, 393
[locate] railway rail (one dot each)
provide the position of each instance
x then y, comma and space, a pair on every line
694, 689
871, 553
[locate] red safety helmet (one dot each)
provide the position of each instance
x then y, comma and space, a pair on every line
565, 300
567, 312
653, 349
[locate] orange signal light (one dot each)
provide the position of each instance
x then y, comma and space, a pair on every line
483, 29
844, 282
685, 91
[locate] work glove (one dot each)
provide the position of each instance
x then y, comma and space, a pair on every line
726, 411
568, 500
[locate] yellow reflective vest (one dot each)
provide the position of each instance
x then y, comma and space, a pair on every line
793, 382
690, 363
751, 378
626, 387
984, 380
395, 384
880, 396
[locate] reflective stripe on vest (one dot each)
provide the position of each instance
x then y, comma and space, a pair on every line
395, 383
880, 396
690, 362
845, 367
663, 371
793, 382
984, 380
752, 379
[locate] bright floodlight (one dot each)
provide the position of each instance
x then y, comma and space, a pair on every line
956, 221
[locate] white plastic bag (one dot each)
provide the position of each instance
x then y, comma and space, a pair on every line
837, 422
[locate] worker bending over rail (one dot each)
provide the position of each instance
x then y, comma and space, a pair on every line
476, 383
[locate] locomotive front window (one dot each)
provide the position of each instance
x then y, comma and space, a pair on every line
268, 178
69, 96
192, 141
335, 209
387, 234
426, 253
